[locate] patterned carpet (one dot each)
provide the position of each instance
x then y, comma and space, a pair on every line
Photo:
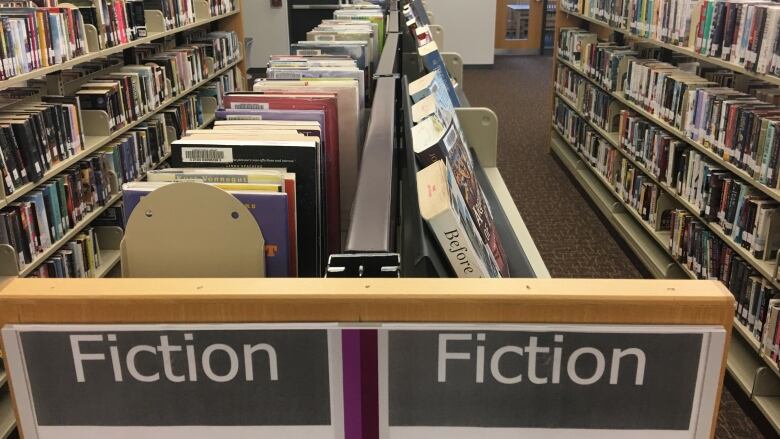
567, 232
571, 236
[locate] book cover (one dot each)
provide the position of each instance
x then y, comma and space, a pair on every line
443, 208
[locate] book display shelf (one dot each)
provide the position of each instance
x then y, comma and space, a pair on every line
336, 349
591, 142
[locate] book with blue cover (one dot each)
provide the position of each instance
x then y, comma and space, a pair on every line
432, 60
268, 208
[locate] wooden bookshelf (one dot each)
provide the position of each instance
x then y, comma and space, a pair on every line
747, 362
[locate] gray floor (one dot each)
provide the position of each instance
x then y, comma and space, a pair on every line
571, 237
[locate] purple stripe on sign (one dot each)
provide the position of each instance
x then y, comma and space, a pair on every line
353, 398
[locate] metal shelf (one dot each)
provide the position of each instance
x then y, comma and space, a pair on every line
636, 232
7, 417
109, 260
94, 143
679, 49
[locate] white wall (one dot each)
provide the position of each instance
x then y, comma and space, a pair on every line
469, 28
268, 26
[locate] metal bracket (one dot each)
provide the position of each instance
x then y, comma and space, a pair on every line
437, 32
454, 64
480, 126
364, 265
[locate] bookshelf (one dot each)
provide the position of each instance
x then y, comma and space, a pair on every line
751, 367
96, 131
96, 136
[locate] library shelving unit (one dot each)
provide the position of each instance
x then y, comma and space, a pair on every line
752, 369
97, 135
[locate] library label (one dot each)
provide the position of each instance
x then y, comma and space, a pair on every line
153, 381
633, 381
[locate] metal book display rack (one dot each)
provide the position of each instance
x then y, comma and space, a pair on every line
386, 236
216, 232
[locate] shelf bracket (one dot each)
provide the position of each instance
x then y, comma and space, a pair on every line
437, 32
364, 265
454, 64
480, 126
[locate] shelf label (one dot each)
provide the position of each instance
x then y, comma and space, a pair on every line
540, 381
177, 381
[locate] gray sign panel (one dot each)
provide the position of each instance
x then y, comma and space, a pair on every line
544, 379
178, 377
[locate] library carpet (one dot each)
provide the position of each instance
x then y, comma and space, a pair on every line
572, 238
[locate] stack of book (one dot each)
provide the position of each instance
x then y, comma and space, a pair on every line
451, 199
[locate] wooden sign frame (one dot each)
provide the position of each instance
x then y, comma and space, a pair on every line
355, 301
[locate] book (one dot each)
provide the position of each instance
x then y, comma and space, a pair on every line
299, 157
445, 212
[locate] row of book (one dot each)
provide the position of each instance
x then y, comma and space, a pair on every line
269, 194
116, 21
417, 24
450, 197
758, 309
691, 242
354, 35
633, 186
738, 126
33, 37
37, 136
748, 218
744, 33
44, 215
597, 105
78, 258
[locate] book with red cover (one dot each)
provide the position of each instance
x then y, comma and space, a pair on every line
330, 139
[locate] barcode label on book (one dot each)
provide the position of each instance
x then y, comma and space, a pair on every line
250, 106
324, 38
207, 155
308, 52
451, 138
244, 117
288, 75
